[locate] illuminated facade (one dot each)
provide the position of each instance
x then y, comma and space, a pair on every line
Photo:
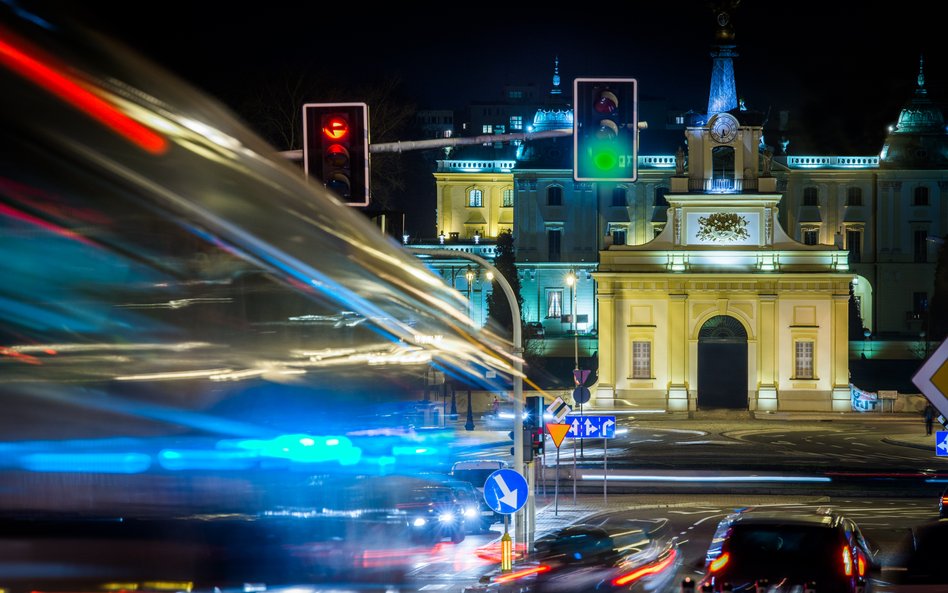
813, 224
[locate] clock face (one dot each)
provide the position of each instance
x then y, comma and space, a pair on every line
724, 128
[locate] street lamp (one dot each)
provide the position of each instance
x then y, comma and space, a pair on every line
571, 282
469, 276
524, 529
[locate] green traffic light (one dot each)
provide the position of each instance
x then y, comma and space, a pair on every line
605, 159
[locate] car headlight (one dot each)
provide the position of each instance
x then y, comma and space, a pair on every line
419, 522
446, 517
470, 512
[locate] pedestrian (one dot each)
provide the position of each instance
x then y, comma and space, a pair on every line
929, 418
495, 406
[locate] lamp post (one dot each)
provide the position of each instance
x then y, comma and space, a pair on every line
571, 282
469, 276
524, 529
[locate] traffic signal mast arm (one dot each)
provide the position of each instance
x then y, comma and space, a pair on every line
402, 146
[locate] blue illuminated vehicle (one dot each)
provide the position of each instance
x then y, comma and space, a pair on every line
188, 325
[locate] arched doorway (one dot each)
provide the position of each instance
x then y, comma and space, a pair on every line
722, 364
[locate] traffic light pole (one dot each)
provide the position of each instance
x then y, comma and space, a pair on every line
523, 530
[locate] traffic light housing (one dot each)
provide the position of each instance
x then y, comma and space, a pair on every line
533, 423
528, 446
605, 129
336, 148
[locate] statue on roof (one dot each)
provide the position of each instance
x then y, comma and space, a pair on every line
723, 12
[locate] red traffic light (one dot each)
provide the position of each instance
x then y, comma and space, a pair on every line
606, 103
336, 128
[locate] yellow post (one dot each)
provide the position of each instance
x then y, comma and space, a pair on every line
506, 553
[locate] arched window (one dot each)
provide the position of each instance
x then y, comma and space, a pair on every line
508, 198
854, 196
475, 198
921, 196
554, 195
722, 172
811, 196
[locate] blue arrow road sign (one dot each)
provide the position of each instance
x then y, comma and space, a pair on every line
941, 443
505, 491
592, 427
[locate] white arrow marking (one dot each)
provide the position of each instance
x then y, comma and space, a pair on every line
606, 426
574, 427
510, 496
591, 428
943, 445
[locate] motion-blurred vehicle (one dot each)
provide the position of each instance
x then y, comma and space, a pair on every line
783, 552
943, 504
592, 557
188, 325
471, 503
433, 513
476, 472
917, 564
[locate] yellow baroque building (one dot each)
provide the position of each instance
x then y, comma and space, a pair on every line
723, 309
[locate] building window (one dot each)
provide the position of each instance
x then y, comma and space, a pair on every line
921, 196
500, 129
811, 197
554, 239
804, 360
508, 198
641, 360
475, 199
680, 120
921, 246
516, 122
658, 228
618, 235
811, 236
854, 244
618, 196
854, 196
554, 303
554, 195
487, 129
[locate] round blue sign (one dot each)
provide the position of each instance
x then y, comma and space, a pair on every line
506, 491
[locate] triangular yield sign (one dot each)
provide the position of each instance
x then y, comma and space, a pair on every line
558, 432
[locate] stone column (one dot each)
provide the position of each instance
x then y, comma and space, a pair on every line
678, 353
767, 353
608, 334
842, 400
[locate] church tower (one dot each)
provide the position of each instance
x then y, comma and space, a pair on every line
723, 309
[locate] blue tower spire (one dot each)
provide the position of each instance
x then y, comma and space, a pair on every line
723, 95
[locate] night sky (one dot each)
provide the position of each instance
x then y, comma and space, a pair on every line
839, 58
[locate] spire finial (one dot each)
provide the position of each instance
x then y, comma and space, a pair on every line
556, 77
921, 70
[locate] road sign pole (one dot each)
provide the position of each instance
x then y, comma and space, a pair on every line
605, 466
506, 548
574, 472
556, 485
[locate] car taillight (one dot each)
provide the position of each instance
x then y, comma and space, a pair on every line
640, 572
861, 565
719, 562
944, 501
513, 576
847, 561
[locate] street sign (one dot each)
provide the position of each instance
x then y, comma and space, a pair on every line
581, 394
941, 443
559, 409
505, 491
592, 427
557, 432
580, 376
932, 378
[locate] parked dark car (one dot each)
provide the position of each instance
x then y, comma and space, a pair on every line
779, 552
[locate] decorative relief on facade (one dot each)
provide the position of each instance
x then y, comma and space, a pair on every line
768, 227
582, 186
722, 227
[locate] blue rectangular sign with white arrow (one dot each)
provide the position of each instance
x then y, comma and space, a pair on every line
591, 427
